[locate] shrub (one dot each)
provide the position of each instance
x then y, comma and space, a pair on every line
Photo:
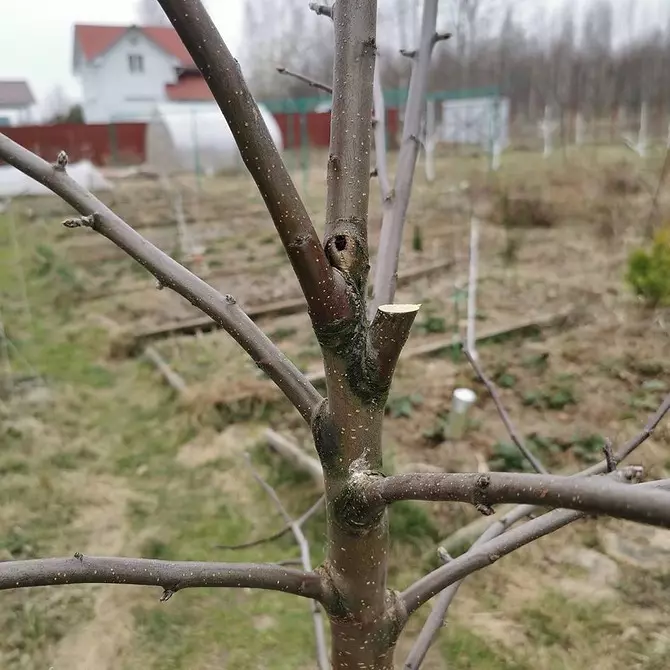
417, 239
649, 270
525, 212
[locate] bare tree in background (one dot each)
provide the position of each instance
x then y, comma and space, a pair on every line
359, 353
295, 39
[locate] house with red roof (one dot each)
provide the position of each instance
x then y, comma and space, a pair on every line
125, 71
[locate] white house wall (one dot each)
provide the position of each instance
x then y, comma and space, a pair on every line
112, 92
16, 117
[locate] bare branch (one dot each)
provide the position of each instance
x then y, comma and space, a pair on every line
301, 77
320, 284
490, 551
171, 576
280, 533
321, 649
223, 309
436, 618
349, 160
381, 169
441, 37
255, 543
490, 387
386, 270
594, 495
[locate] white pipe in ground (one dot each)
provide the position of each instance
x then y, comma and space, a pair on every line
461, 401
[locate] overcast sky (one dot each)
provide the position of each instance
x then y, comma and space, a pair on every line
36, 35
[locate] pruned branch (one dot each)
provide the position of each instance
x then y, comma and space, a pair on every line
310, 82
296, 529
489, 552
320, 284
594, 495
386, 270
171, 576
223, 309
441, 37
388, 333
322, 10
490, 387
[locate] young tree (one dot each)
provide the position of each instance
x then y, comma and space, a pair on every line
360, 354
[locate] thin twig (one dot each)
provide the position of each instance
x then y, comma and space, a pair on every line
319, 631
310, 82
632, 444
223, 309
280, 533
255, 543
490, 387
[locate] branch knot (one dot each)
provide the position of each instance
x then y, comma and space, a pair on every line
89, 221
479, 497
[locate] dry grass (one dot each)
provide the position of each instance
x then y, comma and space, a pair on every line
107, 459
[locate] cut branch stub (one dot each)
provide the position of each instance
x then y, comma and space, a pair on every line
390, 242
388, 333
322, 10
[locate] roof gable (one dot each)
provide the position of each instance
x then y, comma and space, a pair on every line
94, 40
190, 88
15, 93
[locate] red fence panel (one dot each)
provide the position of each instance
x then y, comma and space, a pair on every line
318, 127
102, 144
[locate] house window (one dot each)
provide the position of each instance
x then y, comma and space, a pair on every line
136, 63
